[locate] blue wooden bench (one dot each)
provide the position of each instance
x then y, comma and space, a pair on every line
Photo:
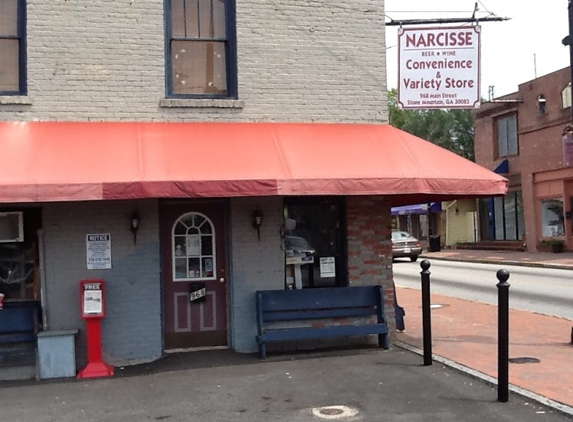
318, 304
19, 322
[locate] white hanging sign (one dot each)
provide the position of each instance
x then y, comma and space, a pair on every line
439, 67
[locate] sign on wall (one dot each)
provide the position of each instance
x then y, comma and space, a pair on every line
98, 251
439, 67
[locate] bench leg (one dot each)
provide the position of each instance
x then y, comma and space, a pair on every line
262, 350
383, 341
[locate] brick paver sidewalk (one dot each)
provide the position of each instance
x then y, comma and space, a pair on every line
466, 332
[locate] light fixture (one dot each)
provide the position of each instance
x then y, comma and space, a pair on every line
258, 221
134, 221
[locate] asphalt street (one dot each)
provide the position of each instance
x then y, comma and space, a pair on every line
543, 290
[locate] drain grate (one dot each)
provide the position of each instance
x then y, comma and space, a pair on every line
330, 411
334, 412
521, 360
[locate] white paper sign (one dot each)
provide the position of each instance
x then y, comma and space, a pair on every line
193, 245
98, 251
93, 303
327, 267
439, 67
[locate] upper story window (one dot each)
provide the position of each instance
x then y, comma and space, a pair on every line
201, 59
12, 47
507, 136
566, 96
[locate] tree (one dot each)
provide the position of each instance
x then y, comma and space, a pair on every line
450, 129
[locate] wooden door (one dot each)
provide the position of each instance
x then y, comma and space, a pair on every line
194, 274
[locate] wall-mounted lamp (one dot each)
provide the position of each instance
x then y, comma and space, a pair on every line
258, 221
134, 221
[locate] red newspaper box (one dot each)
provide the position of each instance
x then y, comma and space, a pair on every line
92, 305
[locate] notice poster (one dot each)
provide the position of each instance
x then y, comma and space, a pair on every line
98, 251
193, 245
439, 67
327, 267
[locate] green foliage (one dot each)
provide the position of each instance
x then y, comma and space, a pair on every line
450, 129
552, 241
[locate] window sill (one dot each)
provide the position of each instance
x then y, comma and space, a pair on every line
200, 103
15, 100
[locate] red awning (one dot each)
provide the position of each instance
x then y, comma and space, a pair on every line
72, 161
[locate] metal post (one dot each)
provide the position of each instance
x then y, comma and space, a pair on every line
503, 337
426, 315
570, 9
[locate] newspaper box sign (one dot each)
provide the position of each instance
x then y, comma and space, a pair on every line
439, 67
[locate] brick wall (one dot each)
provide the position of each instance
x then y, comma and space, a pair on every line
370, 246
297, 61
131, 331
540, 147
256, 265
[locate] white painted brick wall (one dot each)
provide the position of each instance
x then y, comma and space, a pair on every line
255, 265
299, 60
131, 331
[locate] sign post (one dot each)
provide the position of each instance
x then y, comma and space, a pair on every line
439, 67
92, 297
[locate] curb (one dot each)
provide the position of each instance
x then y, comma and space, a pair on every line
555, 405
502, 262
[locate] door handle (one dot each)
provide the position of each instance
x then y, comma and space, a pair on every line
222, 280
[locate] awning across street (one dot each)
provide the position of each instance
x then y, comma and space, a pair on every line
72, 161
417, 209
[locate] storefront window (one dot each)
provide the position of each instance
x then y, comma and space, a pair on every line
504, 217
19, 266
552, 219
314, 247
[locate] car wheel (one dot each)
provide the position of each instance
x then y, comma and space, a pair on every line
413, 258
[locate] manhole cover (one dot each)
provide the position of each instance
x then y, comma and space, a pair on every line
524, 360
334, 412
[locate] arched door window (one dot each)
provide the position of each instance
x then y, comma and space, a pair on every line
193, 248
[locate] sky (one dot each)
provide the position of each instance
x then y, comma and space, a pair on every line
512, 52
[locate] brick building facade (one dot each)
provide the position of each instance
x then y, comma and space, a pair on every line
521, 136
210, 141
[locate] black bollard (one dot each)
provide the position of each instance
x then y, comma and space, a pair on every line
426, 314
503, 337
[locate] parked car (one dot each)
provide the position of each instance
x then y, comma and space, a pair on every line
405, 245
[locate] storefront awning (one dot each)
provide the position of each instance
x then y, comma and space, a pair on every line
417, 209
72, 161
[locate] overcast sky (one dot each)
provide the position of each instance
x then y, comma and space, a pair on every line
507, 48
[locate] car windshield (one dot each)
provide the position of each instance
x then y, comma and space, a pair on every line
400, 235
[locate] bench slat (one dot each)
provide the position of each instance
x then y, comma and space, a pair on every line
325, 313
322, 332
326, 298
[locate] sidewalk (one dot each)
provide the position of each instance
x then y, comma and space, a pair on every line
465, 332
537, 259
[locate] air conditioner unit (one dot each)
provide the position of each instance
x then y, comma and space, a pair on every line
11, 227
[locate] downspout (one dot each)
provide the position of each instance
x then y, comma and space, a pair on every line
43, 283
